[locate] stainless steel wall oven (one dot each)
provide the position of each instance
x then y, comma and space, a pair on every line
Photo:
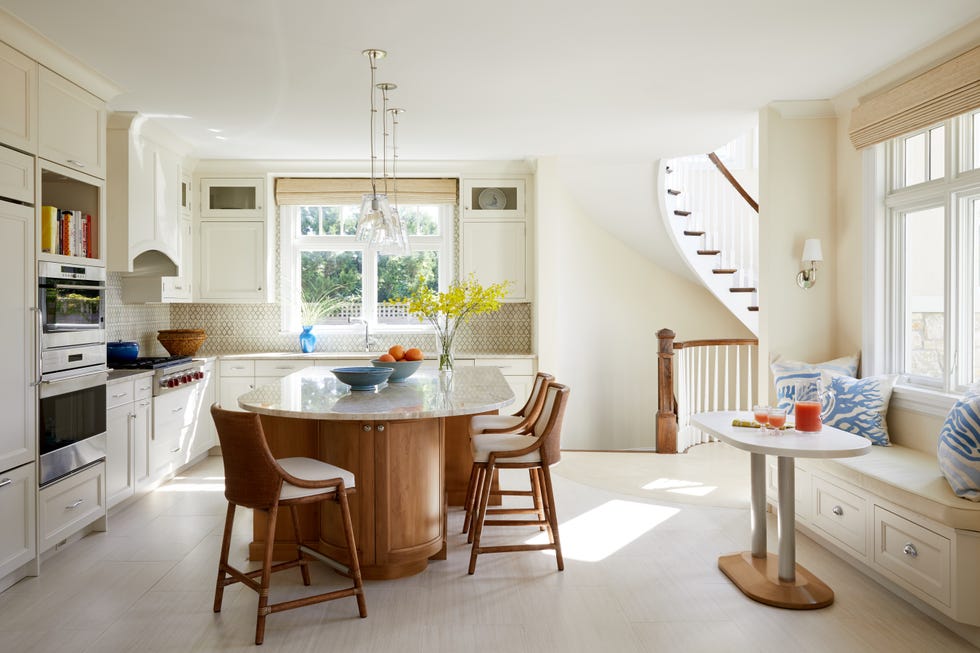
71, 299
71, 423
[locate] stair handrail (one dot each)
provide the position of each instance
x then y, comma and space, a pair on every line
667, 406
734, 182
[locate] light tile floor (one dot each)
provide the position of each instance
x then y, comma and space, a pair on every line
640, 575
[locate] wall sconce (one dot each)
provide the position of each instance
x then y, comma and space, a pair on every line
811, 255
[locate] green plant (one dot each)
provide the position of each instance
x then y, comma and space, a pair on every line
315, 306
446, 311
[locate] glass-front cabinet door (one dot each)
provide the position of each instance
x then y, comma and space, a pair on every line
232, 198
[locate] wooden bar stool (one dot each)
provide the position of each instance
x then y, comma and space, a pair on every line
536, 451
520, 422
256, 480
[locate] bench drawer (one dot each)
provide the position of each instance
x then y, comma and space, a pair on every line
841, 514
916, 555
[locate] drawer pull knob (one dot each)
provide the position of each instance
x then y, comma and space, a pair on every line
75, 505
380, 427
910, 550
4, 482
837, 510
76, 163
366, 427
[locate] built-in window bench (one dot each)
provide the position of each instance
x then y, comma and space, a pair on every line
892, 514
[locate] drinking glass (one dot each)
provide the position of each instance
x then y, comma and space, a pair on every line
761, 414
777, 418
807, 405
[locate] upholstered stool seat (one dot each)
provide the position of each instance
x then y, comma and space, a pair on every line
256, 480
481, 446
481, 423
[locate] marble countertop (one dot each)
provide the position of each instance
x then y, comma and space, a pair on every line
341, 355
315, 393
121, 375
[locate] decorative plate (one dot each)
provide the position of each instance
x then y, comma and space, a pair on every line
491, 199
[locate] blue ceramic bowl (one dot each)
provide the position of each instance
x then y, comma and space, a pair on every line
362, 378
121, 351
402, 369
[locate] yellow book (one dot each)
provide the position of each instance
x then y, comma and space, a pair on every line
49, 229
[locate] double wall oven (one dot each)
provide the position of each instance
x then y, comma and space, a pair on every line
72, 406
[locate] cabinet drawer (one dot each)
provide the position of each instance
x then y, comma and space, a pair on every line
17, 545
802, 487
280, 367
69, 505
916, 555
119, 393
509, 366
840, 514
16, 176
143, 388
236, 367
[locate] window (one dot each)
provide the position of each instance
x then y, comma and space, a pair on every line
321, 257
930, 246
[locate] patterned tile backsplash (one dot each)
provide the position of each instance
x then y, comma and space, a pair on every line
245, 328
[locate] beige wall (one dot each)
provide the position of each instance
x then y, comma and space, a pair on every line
797, 149
599, 305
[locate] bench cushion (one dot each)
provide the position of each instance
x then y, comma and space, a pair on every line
908, 478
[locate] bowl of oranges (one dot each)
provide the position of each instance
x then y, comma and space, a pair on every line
403, 361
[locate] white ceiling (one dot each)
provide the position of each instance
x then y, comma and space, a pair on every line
509, 79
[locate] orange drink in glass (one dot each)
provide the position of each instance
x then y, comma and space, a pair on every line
777, 417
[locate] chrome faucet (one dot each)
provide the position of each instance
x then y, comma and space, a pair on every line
357, 320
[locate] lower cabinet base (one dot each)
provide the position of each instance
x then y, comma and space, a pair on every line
26, 570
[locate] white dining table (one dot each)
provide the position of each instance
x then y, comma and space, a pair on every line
777, 579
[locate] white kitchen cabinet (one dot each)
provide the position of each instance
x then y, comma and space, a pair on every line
496, 199
231, 388
18, 100
119, 459
143, 187
16, 175
69, 505
232, 262
18, 514
18, 324
142, 437
186, 195
64, 188
204, 434
519, 374
173, 426
496, 251
179, 289
233, 198
71, 125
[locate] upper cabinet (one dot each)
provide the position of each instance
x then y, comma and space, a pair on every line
71, 216
71, 125
495, 199
494, 238
18, 100
232, 198
144, 200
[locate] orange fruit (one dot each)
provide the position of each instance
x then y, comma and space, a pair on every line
397, 352
386, 358
414, 354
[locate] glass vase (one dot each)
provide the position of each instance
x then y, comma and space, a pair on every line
307, 340
446, 360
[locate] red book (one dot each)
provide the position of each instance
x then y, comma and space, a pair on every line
66, 221
88, 236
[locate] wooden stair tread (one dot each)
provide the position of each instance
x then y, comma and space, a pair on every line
693, 233
682, 213
741, 289
671, 191
709, 252
724, 270
753, 308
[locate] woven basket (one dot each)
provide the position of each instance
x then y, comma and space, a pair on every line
181, 342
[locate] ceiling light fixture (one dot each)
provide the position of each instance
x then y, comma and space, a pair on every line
378, 224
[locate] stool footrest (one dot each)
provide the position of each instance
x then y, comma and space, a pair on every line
514, 522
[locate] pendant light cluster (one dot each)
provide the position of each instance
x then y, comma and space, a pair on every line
379, 224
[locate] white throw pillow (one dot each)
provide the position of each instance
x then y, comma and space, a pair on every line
786, 372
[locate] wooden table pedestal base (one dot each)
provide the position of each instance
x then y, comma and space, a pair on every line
758, 578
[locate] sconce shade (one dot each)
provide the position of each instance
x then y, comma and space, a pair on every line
812, 250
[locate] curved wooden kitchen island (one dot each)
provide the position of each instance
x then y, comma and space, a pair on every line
393, 440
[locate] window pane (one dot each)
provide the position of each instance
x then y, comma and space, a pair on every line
924, 293
420, 220
937, 153
336, 275
398, 276
976, 291
309, 220
915, 159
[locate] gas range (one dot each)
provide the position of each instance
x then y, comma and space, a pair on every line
169, 372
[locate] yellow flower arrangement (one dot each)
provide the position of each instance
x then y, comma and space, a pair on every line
445, 311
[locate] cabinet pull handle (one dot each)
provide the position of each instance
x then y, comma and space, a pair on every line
837, 510
380, 427
366, 427
4, 482
145, 403
177, 410
177, 450
117, 396
910, 550
76, 162
75, 505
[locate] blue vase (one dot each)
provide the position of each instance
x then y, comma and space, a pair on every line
307, 340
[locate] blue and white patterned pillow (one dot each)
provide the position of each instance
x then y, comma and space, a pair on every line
858, 406
785, 373
959, 447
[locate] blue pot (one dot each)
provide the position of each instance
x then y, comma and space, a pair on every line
122, 351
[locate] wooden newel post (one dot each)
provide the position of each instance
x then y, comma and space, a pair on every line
666, 415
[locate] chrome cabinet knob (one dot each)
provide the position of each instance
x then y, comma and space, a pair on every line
837, 510
910, 550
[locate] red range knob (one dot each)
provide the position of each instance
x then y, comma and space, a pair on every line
185, 379
198, 375
171, 383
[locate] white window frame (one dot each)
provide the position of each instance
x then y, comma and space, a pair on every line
885, 201
289, 266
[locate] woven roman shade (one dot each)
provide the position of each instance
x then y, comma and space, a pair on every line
940, 93
326, 192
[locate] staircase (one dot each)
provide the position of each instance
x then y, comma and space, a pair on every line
714, 223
